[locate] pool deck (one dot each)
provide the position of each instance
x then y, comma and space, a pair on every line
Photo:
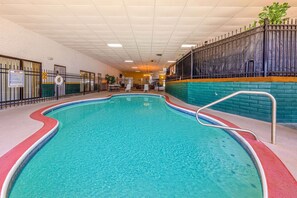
16, 125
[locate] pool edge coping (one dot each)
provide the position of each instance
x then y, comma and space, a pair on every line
41, 115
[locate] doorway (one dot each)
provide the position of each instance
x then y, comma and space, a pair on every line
99, 82
87, 81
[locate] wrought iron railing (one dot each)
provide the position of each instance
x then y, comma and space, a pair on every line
267, 50
38, 85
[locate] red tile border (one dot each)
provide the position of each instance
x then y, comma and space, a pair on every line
8, 160
281, 184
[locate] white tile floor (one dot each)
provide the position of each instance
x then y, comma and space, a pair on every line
16, 125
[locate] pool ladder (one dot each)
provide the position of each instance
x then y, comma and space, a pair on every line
273, 117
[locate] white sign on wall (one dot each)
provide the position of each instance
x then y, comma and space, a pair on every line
16, 78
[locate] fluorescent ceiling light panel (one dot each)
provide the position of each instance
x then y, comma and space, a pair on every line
188, 45
128, 61
114, 45
134, 67
171, 61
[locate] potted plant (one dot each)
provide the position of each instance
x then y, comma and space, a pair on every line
110, 79
274, 13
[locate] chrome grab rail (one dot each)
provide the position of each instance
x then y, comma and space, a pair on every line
273, 117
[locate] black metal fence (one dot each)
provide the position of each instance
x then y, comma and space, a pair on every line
39, 85
268, 50
71, 86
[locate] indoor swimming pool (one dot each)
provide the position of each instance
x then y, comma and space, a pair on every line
136, 146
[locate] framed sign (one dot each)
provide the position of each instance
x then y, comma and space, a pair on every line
16, 78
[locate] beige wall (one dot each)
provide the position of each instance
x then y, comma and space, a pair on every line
19, 42
135, 75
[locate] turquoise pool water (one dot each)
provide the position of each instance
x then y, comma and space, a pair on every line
136, 146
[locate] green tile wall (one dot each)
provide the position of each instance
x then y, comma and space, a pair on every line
179, 90
258, 107
72, 88
49, 89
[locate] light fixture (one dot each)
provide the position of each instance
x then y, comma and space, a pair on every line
134, 67
171, 61
188, 45
128, 61
114, 45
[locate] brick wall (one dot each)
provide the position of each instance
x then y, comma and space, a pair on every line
258, 107
179, 90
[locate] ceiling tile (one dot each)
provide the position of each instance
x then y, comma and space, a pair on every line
140, 11
224, 11
117, 20
14, 1
232, 3
248, 12
108, 2
84, 10
54, 10
66, 19
171, 2
172, 11
112, 10
198, 3
141, 20
98, 27
46, 2
75, 2
139, 2
91, 19
215, 20
240, 21
166, 20
143, 27
196, 11
19, 9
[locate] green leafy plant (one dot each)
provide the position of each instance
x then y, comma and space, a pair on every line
253, 25
275, 13
110, 79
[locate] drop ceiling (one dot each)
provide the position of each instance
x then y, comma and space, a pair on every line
143, 27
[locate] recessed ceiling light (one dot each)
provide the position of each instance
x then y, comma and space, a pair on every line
171, 61
188, 45
114, 45
134, 67
128, 61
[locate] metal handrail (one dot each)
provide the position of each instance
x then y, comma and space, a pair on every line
273, 117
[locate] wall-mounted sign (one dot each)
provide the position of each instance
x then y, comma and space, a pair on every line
16, 78
44, 75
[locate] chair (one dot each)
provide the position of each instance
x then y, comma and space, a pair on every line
128, 87
146, 88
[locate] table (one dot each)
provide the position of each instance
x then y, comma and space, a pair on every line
114, 87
